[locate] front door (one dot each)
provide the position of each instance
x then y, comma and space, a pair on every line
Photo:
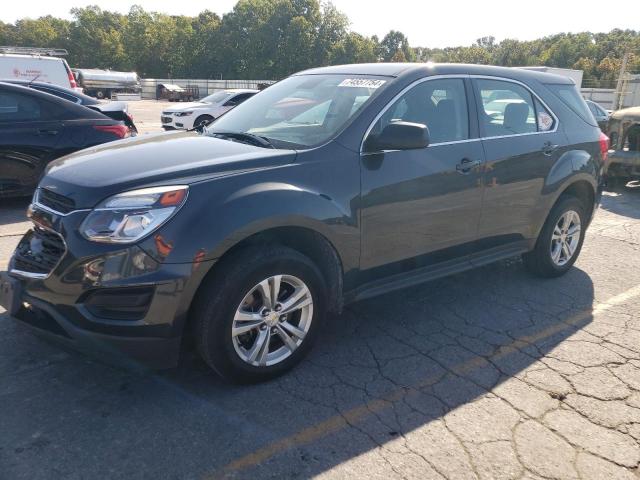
421, 207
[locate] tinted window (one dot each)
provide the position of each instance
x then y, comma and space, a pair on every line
238, 99
57, 93
571, 97
15, 107
506, 108
441, 105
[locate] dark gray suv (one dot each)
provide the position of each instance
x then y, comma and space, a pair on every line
331, 186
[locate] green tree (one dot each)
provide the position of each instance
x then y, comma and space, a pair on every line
394, 41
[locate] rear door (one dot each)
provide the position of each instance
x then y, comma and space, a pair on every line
29, 134
421, 207
522, 142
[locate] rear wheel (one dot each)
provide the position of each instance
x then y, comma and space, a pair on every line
259, 315
560, 240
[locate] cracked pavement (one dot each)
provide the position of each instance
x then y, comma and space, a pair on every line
489, 374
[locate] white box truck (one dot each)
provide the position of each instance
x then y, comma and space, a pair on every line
41, 64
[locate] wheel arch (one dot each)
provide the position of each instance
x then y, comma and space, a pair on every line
584, 191
305, 240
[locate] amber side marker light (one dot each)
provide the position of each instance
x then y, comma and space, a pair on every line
173, 198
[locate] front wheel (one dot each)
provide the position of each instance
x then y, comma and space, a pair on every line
202, 121
560, 240
259, 314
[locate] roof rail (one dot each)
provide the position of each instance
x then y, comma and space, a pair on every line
50, 52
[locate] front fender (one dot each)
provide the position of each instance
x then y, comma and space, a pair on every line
211, 224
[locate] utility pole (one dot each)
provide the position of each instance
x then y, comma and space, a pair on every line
618, 98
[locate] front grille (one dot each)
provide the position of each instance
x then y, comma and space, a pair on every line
38, 252
165, 119
55, 201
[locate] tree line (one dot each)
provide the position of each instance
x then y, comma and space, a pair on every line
269, 39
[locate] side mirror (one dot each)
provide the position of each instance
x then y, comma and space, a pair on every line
399, 136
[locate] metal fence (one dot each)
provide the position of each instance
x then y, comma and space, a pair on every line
205, 87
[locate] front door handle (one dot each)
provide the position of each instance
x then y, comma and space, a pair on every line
466, 165
548, 148
46, 131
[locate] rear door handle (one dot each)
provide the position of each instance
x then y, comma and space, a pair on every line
548, 148
46, 131
466, 165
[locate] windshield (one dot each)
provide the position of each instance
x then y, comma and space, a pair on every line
215, 97
301, 111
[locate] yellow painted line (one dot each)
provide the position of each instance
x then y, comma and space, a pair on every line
338, 422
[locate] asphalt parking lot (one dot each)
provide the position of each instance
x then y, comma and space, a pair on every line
146, 114
490, 374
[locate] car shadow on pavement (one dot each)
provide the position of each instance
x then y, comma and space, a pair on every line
623, 200
391, 365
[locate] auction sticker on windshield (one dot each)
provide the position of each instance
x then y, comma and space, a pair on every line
362, 83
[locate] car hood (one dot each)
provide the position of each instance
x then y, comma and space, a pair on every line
187, 106
91, 175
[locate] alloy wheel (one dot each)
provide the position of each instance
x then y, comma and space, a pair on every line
272, 320
565, 238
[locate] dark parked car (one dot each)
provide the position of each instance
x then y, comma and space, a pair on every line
599, 113
116, 110
36, 128
246, 235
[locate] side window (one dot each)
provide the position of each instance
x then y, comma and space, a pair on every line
508, 109
58, 93
441, 105
544, 119
15, 107
238, 99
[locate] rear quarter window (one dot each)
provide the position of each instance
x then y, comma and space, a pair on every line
570, 96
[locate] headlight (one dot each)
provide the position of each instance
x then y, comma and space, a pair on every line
129, 216
183, 114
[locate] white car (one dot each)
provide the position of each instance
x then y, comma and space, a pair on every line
189, 115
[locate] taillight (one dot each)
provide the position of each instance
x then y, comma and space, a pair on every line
120, 131
604, 146
72, 79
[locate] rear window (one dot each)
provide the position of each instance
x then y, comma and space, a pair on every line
571, 98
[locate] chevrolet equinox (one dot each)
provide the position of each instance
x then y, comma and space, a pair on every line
331, 186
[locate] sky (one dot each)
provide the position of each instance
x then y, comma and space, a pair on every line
426, 23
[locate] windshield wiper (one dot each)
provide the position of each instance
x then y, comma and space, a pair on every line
245, 136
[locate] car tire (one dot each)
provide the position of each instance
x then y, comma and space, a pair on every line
202, 119
232, 301
559, 235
